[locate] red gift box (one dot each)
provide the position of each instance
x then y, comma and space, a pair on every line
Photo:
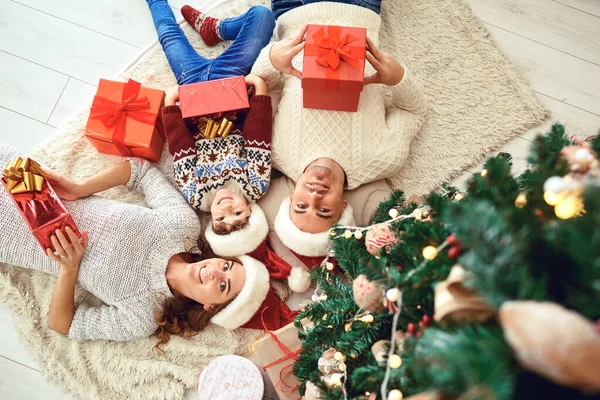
125, 120
37, 202
334, 67
220, 95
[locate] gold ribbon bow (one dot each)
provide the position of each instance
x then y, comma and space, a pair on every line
218, 125
23, 175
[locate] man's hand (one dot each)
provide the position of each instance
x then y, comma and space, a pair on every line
285, 50
64, 187
255, 82
172, 96
389, 71
68, 255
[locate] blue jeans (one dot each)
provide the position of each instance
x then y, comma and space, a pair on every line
282, 6
250, 32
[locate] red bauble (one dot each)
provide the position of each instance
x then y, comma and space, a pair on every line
454, 252
411, 328
426, 320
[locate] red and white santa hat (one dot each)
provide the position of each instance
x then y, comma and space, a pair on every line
257, 306
244, 241
304, 246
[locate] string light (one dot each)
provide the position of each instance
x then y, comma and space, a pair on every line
568, 208
430, 252
347, 233
551, 198
393, 213
458, 196
341, 367
358, 235
393, 294
395, 395
521, 200
367, 318
395, 361
484, 172
329, 266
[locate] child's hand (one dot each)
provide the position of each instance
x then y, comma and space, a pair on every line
68, 255
260, 87
172, 96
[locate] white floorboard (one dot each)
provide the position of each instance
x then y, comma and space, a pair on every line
52, 54
76, 94
60, 45
34, 98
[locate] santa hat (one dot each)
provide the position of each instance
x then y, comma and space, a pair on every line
244, 241
256, 306
305, 246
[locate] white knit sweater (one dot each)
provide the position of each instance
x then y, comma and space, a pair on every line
125, 262
370, 144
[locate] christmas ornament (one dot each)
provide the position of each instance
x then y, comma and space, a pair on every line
581, 159
368, 295
380, 350
312, 392
330, 362
231, 377
379, 236
554, 342
452, 299
393, 294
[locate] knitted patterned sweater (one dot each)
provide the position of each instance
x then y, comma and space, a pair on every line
126, 260
370, 144
240, 162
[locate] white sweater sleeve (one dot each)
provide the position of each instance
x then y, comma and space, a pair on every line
149, 181
265, 70
110, 322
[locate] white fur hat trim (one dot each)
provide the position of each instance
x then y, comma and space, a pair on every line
243, 241
304, 243
249, 300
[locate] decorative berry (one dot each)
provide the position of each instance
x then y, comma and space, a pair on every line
419, 334
452, 240
426, 319
454, 252
422, 325
411, 328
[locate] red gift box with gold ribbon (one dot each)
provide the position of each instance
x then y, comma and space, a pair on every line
125, 120
334, 67
35, 199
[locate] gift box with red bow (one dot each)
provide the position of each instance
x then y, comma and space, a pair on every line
278, 351
334, 67
35, 199
125, 120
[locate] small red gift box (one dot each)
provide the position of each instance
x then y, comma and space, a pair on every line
278, 351
220, 95
35, 199
334, 67
125, 120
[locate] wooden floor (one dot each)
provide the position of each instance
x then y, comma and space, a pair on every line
52, 54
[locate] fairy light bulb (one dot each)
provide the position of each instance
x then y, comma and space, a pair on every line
367, 318
430, 252
551, 198
393, 213
395, 395
393, 295
358, 235
484, 172
459, 196
395, 361
338, 356
521, 200
341, 367
329, 266
568, 208
347, 233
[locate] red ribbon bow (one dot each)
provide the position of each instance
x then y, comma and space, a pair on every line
113, 113
334, 48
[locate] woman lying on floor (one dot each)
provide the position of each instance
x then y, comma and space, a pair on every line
136, 263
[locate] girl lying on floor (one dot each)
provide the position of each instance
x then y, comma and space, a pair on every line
133, 259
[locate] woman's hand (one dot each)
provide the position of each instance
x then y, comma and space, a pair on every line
389, 71
172, 96
68, 255
256, 82
285, 50
64, 187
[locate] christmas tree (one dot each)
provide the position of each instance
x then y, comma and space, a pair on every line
489, 294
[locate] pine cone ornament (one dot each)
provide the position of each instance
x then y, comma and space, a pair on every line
554, 342
378, 237
368, 295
